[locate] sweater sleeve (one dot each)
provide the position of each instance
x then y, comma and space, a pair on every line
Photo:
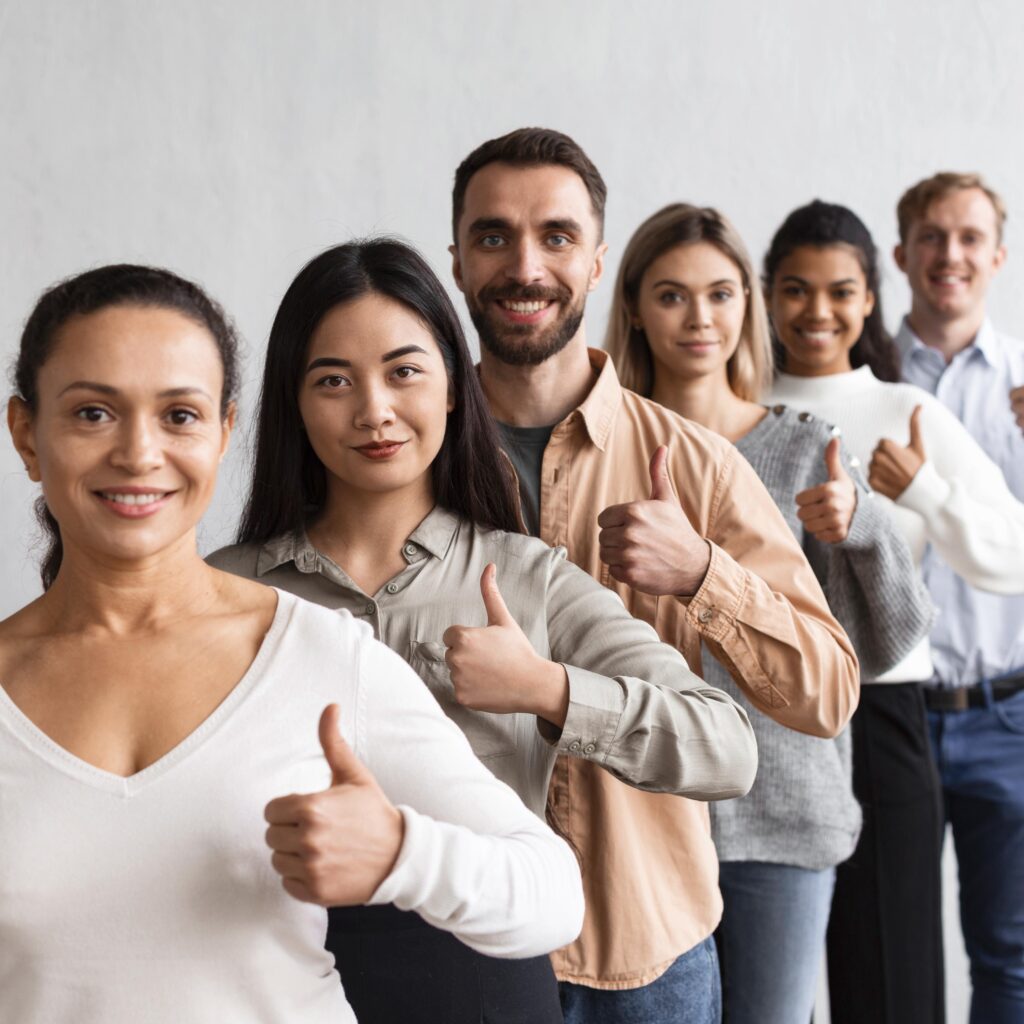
635, 707
474, 861
971, 517
871, 583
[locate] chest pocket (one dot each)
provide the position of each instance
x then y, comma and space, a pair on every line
489, 735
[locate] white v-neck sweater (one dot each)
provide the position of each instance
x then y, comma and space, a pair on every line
152, 900
958, 501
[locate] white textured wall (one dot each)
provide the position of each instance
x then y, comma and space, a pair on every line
233, 140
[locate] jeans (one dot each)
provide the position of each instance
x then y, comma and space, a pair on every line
689, 992
771, 940
980, 756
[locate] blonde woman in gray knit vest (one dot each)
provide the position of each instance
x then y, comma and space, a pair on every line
688, 328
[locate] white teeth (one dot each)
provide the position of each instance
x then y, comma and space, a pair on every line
525, 307
818, 335
131, 499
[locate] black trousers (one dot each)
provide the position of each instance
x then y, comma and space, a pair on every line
397, 969
885, 933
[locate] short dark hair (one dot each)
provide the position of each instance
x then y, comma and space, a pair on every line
121, 284
471, 476
530, 147
821, 225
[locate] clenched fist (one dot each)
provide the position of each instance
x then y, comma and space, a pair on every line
650, 545
827, 510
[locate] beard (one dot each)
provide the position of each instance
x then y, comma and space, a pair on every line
525, 344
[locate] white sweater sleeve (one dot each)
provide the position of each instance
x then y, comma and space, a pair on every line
971, 517
474, 861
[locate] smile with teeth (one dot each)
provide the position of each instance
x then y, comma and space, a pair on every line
133, 499
816, 335
534, 306
949, 279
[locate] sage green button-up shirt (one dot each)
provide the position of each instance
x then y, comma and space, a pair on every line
635, 708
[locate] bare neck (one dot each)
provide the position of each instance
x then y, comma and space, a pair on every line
709, 401
124, 598
946, 336
542, 395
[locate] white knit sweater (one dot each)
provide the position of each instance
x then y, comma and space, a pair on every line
958, 502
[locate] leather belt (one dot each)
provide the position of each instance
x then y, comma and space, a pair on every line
961, 698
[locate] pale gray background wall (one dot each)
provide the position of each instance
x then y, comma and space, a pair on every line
233, 140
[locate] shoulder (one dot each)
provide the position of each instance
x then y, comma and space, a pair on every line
517, 551
806, 431
238, 559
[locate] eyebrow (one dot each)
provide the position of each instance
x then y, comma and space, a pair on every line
107, 389
395, 353
500, 224
679, 284
831, 284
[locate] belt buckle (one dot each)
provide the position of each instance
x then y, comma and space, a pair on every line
961, 699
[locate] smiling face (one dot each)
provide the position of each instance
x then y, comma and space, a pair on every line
374, 399
691, 305
819, 300
127, 432
952, 253
528, 252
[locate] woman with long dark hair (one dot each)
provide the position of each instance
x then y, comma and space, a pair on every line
688, 328
838, 362
155, 713
379, 487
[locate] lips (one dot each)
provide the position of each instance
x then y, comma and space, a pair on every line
380, 451
134, 502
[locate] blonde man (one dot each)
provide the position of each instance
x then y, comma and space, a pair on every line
951, 248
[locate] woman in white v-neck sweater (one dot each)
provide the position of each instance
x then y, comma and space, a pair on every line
153, 712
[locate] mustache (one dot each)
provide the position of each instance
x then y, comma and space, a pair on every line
524, 293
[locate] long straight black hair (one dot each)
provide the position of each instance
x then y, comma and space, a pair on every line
821, 225
471, 476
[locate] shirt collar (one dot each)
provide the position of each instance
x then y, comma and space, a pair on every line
986, 341
434, 535
599, 408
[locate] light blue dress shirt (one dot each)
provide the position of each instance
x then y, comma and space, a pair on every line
976, 635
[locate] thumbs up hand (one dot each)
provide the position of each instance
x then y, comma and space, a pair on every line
893, 466
337, 846
495, 668
1017, 405
826, 510
650, 545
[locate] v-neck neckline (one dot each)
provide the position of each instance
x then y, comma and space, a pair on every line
60, 758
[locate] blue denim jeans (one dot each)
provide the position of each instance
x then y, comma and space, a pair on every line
689, 992
980, 756
771, 940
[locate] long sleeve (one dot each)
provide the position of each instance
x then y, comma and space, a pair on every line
872, 585
635, 707
763, 615
971, 517
474, 861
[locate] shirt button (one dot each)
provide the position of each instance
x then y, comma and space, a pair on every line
854, 461
370, 609
575, 745
410, 549
392, 588
805, 417
706, 615
589, 748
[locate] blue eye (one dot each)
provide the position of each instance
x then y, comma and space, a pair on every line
559, 241
491, 241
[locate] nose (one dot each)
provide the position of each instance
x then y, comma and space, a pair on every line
374, 411
524, 264
952, 250
819, 306
138, 450
698, 313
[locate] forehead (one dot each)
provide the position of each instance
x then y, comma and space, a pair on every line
526, 196
695, 261
135, 346
959, 208
368, 326
830, 263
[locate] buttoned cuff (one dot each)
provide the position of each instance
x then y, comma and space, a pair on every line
926, 492
713, 609
596, 704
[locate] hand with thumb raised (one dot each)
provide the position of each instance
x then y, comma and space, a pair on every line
495, 667
650, 545
826, 511
1017, 405
894, 466
337, 846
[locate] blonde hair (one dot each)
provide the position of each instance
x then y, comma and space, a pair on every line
750, 367
914, 203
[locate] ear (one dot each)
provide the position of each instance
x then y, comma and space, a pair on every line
456, 267
869, 303
227, 426
19, 422
1000, 257
899, 255
598, 266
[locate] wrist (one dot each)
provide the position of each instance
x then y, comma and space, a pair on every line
550, 693
694, 578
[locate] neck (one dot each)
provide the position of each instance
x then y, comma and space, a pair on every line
707, 400
125, 597
947, 336
542, 395
365, 530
